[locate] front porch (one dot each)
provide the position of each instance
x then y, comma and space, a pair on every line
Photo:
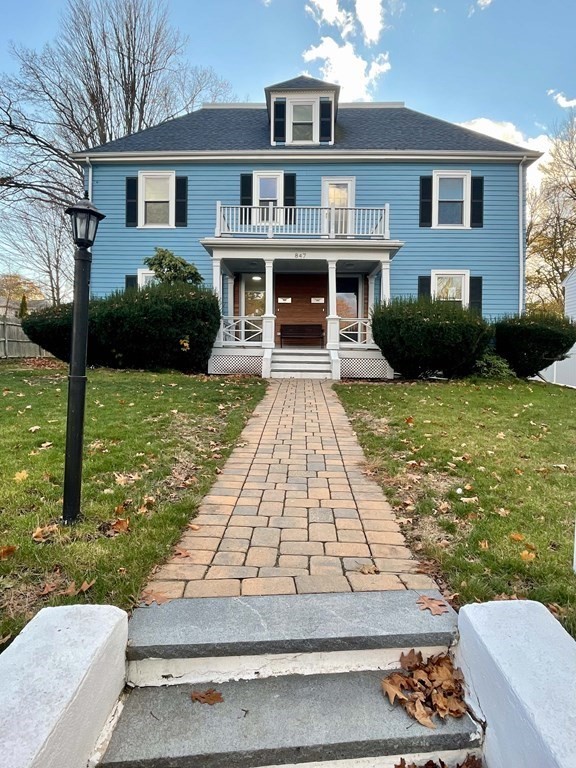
325, 286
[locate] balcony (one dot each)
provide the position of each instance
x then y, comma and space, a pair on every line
302, 222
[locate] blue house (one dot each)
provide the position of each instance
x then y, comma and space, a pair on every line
303, 213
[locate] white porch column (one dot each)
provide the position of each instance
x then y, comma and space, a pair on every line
217, 277
371, 293
385, 283
332, 319
230, 285
268, 318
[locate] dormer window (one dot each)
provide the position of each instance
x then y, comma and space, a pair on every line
302, 123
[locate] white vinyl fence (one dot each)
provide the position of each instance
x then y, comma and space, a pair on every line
563, 372
15, 343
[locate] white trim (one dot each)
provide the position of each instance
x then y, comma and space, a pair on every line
465, 273
279, 176
274, 155
466, 177
282, 248
142, 176
142, 275
521, 237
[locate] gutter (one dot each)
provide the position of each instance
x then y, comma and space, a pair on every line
89, 164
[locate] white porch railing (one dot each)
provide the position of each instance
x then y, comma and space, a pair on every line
302, 221
356, 331
241, 330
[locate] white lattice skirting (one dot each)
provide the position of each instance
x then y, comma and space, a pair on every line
229, 364
365, 368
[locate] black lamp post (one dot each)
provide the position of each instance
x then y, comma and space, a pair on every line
85, 218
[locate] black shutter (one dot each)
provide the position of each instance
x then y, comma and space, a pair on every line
181, 214
279, 109
326, 121
130, 282
475, 302
132, 201
425, 201
424, 287
246, 197
290, 196
477, 202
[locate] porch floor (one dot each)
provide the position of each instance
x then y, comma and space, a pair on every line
292, 511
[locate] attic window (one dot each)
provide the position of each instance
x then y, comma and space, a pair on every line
302, 122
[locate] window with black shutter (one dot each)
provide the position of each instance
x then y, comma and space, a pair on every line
424, 287
181, 210
475, 299
130, 282
477, 202
290, 197
325, 120
246, 198
279, 131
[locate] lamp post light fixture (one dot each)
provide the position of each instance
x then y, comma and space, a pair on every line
85, 218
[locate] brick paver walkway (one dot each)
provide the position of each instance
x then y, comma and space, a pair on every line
292, 510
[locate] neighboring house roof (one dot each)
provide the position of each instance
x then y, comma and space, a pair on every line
362, 127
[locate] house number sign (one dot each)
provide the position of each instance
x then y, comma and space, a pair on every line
300, 255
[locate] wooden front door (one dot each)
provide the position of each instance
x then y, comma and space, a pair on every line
306, 293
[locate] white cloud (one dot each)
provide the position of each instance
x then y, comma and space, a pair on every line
481, 4
561, 99
342, 65
371, 17
329, 12
437, 9
506, 131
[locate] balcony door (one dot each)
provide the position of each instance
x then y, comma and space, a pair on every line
338, 193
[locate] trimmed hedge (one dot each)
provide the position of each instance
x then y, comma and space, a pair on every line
422, 337
531, 342
161, 326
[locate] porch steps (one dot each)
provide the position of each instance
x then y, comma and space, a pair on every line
300, 363
300, 680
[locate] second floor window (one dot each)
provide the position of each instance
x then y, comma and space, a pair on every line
268, 191
157, 194
451, 195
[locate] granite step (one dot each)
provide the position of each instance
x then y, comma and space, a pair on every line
276, 721
195, 641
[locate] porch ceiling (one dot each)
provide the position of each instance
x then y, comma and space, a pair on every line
299, 266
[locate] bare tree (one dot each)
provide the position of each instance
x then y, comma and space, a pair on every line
38, 237
126, 71
551, 224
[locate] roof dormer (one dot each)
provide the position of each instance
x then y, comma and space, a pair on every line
302, 111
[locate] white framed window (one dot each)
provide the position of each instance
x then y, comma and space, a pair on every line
451, 199
303, 122
156, 198
145, 278
338, 192
268, 189
451, 285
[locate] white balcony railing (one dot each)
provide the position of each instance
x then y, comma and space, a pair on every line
356, 331
241, 330
302, 221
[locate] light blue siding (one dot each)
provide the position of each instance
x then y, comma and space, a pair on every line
491, 251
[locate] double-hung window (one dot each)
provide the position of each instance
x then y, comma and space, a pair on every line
451, 285
451, 199
268, 194
303, 122
157, 193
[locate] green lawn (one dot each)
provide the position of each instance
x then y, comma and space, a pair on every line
153, 443
484, 477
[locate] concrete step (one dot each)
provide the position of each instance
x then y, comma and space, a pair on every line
284, 720
302, 365
248, 637
300, 375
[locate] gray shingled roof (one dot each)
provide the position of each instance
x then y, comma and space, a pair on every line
247, 129
303, 83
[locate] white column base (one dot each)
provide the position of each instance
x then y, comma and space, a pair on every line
332, 332
268, 331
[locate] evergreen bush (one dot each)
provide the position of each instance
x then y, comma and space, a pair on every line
492, 366
422, 337
531, 342
161, 326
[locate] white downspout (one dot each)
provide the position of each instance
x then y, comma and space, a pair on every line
89, 164
521, 236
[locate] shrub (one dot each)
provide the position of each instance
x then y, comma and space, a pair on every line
534, 341
162, 326
169, 268
420, 337
492, 366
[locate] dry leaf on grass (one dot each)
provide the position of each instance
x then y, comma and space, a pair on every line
210, 696
44, 533
48, 588
6, 552
426, 689
527, 556
435, 606
517, 537
20, 476
71, 590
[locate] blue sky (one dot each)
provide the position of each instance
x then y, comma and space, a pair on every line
507, 67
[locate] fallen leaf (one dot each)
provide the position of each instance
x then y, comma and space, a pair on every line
121, 525
516, 537
20, 476
48, 588
409, 420
45, 446
484, 544
70, 591
563, 467
149, 596
5, 639
392, 687
210, 696
34, 429
86, 585
527, 556
43, 533
194, 527
368, 569
181, 552
435, 606
410, 660
6, 552
469, 499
